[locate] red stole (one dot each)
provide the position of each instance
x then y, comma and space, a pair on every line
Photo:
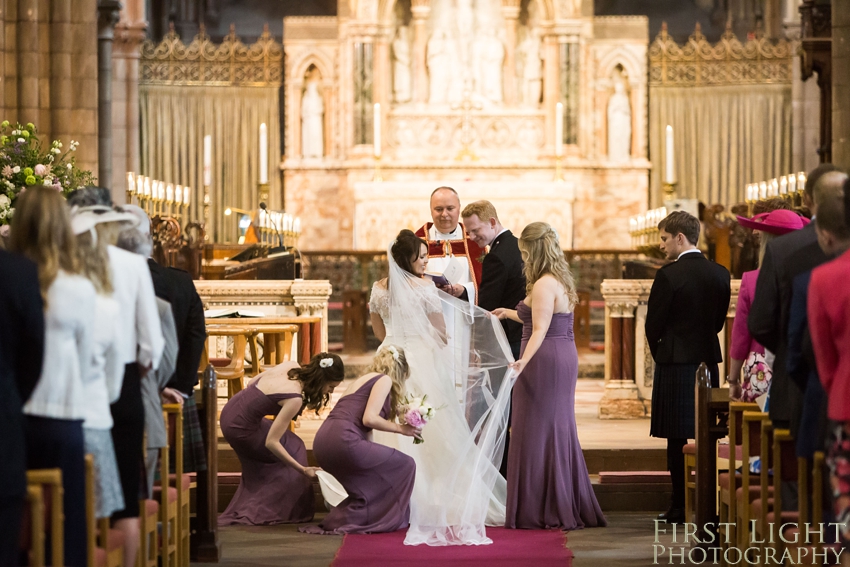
461, 247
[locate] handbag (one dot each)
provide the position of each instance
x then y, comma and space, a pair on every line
757, 377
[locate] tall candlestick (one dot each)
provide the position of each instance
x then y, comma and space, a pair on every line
186, 191
669, 164
559, 129
296, 226
376, 125
264, 154
208, 160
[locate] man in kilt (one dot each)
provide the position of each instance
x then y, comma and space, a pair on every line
686, 309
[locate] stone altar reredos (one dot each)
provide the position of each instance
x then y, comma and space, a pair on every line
504, 150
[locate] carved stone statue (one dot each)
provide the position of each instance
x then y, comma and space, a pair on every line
530, 68
619, 123
312, 113
439, 66
489, 54
401, 65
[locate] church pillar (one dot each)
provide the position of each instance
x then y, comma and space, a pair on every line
840, 83
383, 83
510, 11
27, 62
108, 11
421, 10
60, 62
129, 34
551, 90
621, 399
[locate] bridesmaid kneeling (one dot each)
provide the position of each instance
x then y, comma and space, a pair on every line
276, 486
378, 479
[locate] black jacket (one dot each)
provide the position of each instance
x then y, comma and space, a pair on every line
21, 357
502, 281
176, 287
785, 258
687, 307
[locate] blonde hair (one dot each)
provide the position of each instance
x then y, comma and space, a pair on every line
398, 371
764, 238
41, 231
484, 210
544, 256
94, 261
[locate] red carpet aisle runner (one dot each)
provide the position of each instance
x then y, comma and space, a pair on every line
510, 548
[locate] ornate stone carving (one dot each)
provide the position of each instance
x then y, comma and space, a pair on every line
203, 62
728, 62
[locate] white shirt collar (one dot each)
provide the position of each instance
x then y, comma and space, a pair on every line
503, 231
456, 234
692, 250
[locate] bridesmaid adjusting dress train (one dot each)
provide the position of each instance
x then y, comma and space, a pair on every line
377, 478
272, 490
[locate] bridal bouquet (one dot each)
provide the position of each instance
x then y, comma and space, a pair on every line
417, 412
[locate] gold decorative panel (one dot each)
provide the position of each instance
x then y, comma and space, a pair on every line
729, 62
202, 62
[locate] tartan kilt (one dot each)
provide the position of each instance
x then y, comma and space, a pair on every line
673, 411
194, 451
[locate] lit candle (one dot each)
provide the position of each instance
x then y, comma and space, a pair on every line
264, 155
178, 194
131, 183
296, 226
376, 129
669, 166
749, 191
663, 213
169, 192
207, 160
186, 192
801, 181
763, 190
774, 187
783, 185
147, 186
287, 222
140, 185
792, 183
559, 129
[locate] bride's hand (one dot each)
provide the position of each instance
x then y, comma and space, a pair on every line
409, 430
519, 365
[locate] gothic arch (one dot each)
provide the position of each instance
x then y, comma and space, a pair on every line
385, 9
632, 65
319, 60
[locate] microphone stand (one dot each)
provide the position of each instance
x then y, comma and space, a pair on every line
282, 247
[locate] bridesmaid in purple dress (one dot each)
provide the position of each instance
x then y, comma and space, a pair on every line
378, 479
548, 484
276, 484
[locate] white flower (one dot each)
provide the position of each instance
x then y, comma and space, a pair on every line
21, 141
55, 151
16, 132
393, 351
5, 202
2, 214
69, 167
10, 213
16, 169
48, 182
325, 362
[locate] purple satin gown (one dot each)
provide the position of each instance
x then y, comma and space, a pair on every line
548, 484
378, 479
270, 492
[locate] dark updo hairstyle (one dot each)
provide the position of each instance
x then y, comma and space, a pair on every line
314, 378
406, 249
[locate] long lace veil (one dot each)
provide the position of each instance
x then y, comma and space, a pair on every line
459, 358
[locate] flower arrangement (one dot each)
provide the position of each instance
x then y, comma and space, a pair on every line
25, 162
417, 412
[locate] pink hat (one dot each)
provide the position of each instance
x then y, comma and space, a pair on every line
779, 222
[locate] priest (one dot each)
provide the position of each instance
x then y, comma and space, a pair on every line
448, 243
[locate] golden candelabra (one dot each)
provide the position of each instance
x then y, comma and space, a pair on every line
670, 191
269, 223
157, 198
263, 192
643, 229
790, 187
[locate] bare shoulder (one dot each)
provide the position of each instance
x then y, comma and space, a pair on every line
276, 380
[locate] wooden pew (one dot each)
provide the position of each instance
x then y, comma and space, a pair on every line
37, 481
712, 407
205, 546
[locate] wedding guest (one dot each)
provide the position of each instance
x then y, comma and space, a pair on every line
377, 478
828, 306
687, 307
176, 287
276, 485
548, 484
41, 231
141, 349
502, 278
784, 258
104, 386
744, 348
21, 352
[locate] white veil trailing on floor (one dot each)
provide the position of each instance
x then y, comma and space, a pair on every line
459, 357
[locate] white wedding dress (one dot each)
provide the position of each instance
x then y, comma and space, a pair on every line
458, 356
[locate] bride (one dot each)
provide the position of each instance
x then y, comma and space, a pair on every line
458, 357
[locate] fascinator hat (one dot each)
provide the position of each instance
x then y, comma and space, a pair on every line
777, 222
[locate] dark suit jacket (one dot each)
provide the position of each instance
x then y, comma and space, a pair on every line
176, 287
21, 357
784, 259
502, 281
687, 307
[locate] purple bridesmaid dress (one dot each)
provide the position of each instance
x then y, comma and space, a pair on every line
270, 492
378, 479
548, 484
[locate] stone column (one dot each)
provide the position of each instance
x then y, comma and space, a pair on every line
27, 62
621, 399
421, 9
108, 13
551, 90
840, 83
510, 11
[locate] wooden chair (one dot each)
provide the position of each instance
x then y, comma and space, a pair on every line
277, 344
234, 371
785, 469
51, 480
762, 504
690, 452
179, 481
167, 497
729, 481
149, 548
34, 524
749, 490
95, 556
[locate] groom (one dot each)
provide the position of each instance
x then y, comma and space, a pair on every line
447, 242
